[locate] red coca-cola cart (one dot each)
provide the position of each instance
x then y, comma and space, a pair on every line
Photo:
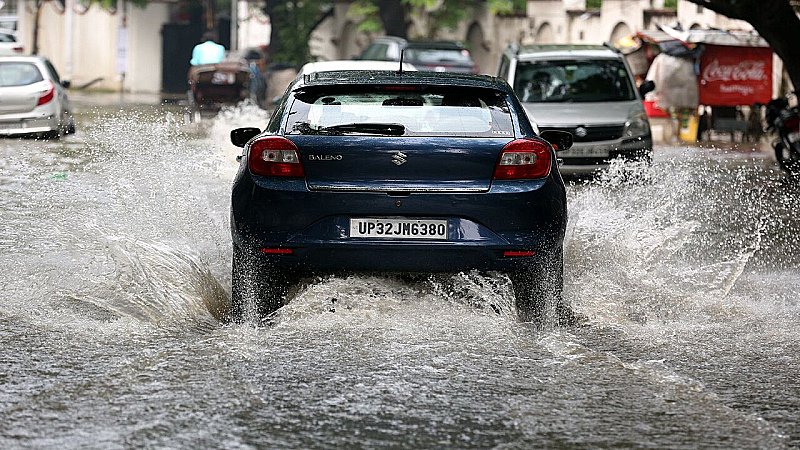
735, 73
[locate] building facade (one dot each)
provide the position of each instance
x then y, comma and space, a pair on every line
134, 49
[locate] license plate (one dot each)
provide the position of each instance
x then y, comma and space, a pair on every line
586, 152
223, 78
389, 228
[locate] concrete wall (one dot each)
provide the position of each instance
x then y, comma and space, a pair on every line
144, 48
691, 15
91, 52
254, 26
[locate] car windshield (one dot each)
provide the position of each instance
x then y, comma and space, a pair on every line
18, 74
401, 111
601, 80
437, 55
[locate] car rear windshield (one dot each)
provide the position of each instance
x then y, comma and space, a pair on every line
18, 74
405, 110
437, 55
599, 80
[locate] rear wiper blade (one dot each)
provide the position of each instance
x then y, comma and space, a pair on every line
388, 129
306, 128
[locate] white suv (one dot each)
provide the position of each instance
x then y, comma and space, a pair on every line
587, 90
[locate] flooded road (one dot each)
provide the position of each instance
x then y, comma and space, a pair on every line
115, 255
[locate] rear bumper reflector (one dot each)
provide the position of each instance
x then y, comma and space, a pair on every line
277, 251
518, 253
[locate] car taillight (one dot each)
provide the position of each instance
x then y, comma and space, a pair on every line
47, 96
274, 156
523, 159
18, 49
792, 123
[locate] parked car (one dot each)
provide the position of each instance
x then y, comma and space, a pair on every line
34, 98
435, 56
397, 172
9, 22
586, 90
9, 44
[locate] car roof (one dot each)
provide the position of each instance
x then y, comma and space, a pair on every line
445, 45
347, 64
565, 50
412, 78
23, 58
396, 39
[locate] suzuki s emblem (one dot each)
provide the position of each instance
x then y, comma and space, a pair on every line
581, 132
399, 158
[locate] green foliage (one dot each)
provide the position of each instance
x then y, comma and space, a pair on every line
367, 11
594, 4
294, 20
442, 13
671, 4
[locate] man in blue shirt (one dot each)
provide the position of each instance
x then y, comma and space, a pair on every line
208, 52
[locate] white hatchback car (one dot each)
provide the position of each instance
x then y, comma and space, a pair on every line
33, 98
347, 64
9, 44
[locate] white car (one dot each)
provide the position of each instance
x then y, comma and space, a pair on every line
33, 98
346, 64
9, 44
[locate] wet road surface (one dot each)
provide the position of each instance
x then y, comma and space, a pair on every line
115, 251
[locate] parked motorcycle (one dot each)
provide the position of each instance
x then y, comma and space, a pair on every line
784, 121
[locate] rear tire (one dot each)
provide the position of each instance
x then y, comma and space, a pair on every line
257, 289
539, 289
70, 126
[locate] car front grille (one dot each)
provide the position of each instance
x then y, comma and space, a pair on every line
593, 133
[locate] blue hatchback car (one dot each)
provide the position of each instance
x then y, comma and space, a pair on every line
397, 172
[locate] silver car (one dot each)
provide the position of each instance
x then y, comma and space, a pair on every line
587, 90
33, 98
9, 44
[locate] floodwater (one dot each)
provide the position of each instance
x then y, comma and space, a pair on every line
115, 254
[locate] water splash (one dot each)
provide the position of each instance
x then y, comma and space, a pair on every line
159, 284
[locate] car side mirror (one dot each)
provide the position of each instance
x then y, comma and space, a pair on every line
560, 140
241, 136
647, 86
66, 84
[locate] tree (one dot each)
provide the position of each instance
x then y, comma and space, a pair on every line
775, 20
391, 16
293, 21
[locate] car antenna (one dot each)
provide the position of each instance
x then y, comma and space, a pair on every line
402, 52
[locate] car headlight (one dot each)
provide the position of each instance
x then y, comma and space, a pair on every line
637, 126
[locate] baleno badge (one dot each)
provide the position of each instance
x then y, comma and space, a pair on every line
324, 157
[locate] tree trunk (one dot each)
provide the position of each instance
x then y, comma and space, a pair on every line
37, 13
783, 34
274, 36
775, 20
393, 17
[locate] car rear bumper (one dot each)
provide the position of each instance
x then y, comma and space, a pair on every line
19, 124
529, 217
402, 258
